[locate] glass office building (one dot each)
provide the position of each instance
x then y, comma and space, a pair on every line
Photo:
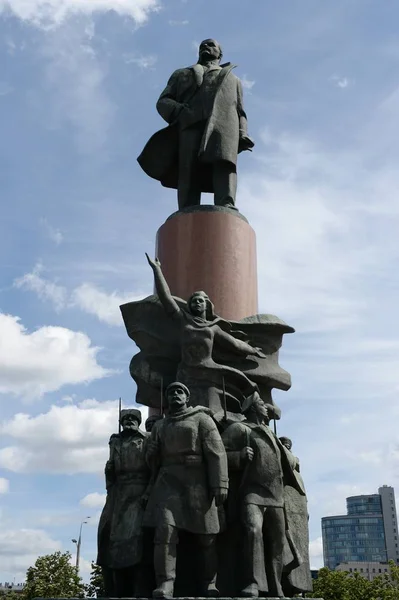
362, 534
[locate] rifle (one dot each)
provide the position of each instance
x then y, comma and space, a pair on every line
120, 410
248, 463
224, 400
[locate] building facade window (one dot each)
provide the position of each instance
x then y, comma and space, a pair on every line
358, 536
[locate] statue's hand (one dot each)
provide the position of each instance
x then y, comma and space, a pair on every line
259, 353
153, 263
245, 143
247, 454
220, 495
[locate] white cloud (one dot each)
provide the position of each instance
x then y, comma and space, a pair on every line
53, 233
44, 360
316, 553
86, 297
11, 46
46, 290
4, 485
84, 567
26, 541
247, 84
308, 209
175, 23
104, 306
77, 435
143, 62
52, 13
341, 82
93, 500
326, 222
69, 399
53, 517
19, 549
76, 98
75, 82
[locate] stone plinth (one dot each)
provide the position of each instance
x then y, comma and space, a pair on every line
213, 249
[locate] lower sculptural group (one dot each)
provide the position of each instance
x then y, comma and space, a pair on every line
203, 506
208, 501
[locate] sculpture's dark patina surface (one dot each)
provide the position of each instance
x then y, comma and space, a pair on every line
208, 501
120, 533
197, 152
215, 469
188, 458
221, 362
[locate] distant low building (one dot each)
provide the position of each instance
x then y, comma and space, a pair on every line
314, 573
369, 570
11, 587
368, 533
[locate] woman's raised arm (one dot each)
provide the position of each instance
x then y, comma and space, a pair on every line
168, 302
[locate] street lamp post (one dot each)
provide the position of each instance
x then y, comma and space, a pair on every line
78, 543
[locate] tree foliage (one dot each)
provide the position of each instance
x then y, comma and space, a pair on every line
95, 588
53, 576
340, 585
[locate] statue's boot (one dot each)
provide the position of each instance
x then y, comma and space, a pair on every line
209, 566
165, 570
211, 591
124, 582
250, 591
228, 202
109, 582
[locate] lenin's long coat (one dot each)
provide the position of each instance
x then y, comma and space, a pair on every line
225, 124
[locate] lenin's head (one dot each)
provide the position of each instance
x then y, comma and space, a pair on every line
209, 50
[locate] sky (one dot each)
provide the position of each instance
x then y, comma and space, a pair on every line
79, 80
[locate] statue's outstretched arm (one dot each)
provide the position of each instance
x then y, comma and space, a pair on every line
238, 346
168, 302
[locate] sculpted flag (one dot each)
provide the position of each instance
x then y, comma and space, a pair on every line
159, 341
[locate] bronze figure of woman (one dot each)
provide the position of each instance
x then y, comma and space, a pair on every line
200, 332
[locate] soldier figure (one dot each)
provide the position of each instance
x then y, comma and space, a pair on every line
120, 535
188, 454
253, 448
297, 578
150, 422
